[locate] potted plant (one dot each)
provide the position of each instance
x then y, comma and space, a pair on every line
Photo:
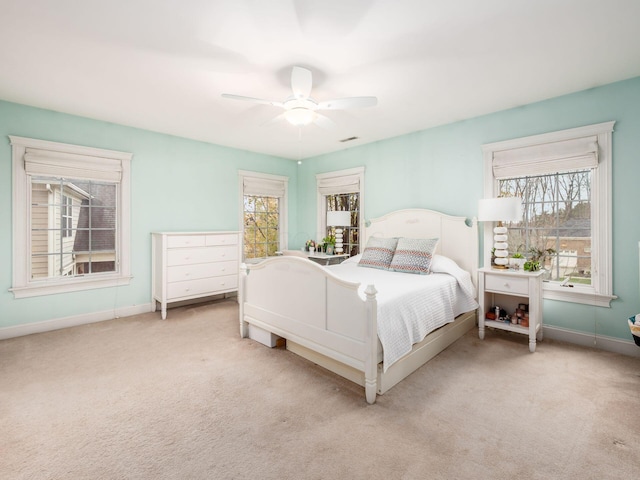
537, 257
329, 244
517, 261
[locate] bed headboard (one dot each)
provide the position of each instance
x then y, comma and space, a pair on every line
458, 235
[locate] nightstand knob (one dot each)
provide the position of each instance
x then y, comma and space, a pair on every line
506, 285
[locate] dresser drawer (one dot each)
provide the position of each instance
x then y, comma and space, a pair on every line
202, 286
181, 241
506, 284
189, 256
229, 239
180, 273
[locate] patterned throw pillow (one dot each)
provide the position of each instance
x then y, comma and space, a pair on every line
413, 255
378, 252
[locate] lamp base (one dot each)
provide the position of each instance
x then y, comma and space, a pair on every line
339, 244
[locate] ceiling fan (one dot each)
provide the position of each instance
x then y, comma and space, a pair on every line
300, 109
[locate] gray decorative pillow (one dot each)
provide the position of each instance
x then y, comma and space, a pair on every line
413, 255
378, 252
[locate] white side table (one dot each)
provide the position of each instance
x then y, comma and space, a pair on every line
507, 288
324, 259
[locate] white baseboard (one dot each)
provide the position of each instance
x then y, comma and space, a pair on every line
610, 344
83, 319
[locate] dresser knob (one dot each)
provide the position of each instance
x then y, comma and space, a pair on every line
506, 285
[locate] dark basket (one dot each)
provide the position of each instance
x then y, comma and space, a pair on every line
636, 338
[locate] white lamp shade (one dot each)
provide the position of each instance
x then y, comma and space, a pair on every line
501, 209
338, 219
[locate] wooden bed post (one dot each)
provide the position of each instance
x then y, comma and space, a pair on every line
370, 365
244, 326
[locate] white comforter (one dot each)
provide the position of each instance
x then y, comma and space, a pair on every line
411, 306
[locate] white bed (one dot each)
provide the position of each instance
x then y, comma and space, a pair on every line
330, 314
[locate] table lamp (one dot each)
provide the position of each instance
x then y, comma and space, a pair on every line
338, 220
501, 209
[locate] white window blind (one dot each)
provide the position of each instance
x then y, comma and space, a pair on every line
71, 165
547, 158
268, 187
339, 184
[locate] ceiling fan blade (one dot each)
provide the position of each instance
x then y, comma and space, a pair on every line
350, 102
301, 82
251, 99
324, 122
277, 119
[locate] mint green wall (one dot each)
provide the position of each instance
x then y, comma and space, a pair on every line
182, 184
176, 184
441, 169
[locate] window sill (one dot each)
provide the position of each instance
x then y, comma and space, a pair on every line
48, 288
585, 296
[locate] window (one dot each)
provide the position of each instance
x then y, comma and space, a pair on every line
564, 180
346, 202
261, 226
263, 213
342, 191
70, 217
556, 218
66, 213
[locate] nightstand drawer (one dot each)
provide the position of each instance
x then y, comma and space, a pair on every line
506, 284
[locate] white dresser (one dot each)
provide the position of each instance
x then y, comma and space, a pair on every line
188, 265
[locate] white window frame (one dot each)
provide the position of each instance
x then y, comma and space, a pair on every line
600, 292
337, 178
281, 183
23, 286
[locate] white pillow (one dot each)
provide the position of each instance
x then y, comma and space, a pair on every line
378, 253
413, 255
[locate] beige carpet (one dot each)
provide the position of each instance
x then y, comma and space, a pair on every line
186, 398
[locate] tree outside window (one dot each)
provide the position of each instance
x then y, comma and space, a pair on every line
556, 217
261, 226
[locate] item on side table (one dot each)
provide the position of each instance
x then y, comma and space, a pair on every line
310, 246
634, 326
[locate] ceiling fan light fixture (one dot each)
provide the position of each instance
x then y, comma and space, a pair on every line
300, 116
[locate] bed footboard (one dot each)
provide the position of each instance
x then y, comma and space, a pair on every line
301, 301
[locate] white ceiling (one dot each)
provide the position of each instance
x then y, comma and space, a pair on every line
162, 65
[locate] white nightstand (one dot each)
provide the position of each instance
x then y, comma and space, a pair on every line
508, 289
324, 259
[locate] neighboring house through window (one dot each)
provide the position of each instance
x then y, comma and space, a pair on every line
564, 181
70, 217
264, 213
342, 191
